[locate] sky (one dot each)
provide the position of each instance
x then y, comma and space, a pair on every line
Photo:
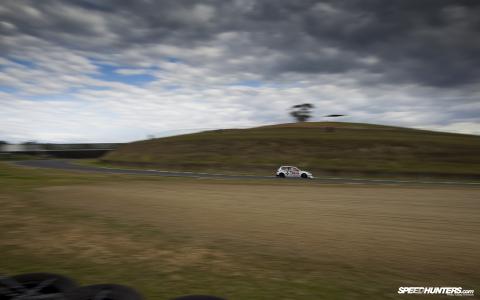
118, 71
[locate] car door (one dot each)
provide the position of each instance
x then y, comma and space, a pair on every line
288, 171
294, 172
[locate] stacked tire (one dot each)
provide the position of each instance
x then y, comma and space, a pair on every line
49, 286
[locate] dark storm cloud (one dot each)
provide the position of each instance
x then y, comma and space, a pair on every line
428, 42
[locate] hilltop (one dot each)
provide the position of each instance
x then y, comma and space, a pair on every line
322, 147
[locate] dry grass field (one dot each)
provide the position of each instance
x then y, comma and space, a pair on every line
240, 239
354, 224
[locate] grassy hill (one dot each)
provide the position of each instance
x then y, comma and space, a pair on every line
322, 147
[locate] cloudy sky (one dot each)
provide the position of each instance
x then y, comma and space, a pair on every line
115, 71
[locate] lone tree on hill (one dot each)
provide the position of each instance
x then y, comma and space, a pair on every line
302, 112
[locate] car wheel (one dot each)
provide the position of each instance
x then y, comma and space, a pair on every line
281, 175
35, 284
304, 175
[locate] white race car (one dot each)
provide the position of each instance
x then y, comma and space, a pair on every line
289, 171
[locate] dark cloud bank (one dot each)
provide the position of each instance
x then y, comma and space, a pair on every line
430, 42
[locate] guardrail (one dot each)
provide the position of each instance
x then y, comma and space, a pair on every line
85, 153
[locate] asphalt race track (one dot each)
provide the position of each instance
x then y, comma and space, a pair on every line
70, 166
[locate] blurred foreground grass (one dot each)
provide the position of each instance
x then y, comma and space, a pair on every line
238, 239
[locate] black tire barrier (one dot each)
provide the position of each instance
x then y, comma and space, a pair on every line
35, 285
49, 286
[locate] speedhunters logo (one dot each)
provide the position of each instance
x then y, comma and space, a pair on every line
449, 291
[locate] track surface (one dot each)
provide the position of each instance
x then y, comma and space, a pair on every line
68, 165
